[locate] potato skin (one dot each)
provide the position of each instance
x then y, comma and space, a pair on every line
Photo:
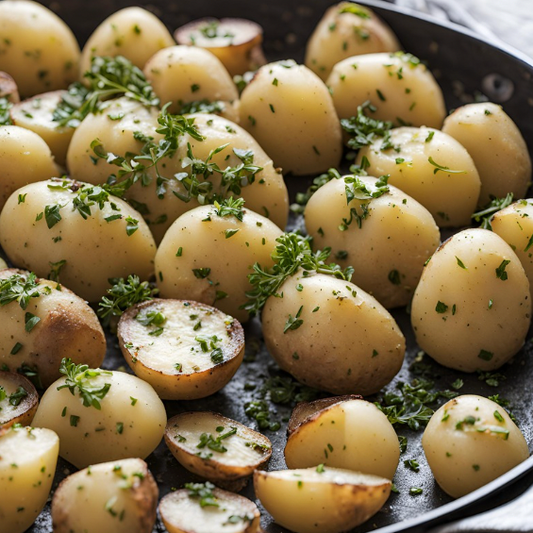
467, 313
466, 445
24, 412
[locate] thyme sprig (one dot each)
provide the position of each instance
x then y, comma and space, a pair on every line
19, 288
364, 129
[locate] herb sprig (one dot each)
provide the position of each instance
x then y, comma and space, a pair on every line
484, 216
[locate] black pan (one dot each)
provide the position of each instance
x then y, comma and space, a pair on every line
466, 66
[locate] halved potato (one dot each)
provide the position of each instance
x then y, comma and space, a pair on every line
184, 349
119, 496
352, 434
8, 88
203, 508
320, 500
236, 42
18, 400
217, 448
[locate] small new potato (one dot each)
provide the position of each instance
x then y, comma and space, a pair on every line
472, 308
322, 499
289, 111
351, 433
28, 458
129, 423
431, 167
8, 88
18, 400
388, 249
471, 441
399, 85
119, 496
497, 147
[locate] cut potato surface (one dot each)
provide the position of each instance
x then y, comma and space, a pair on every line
18, 400
215, 447
185, 350
202, 508
470, 441
351, 434
119, 496
28, 458
8, 88
321, 499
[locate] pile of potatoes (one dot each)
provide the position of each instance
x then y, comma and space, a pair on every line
204, 223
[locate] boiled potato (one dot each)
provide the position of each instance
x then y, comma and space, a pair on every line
53, 324
120, 496
18, 400
401, 88
62, 220
344, 341
108, 415
514, 225
38, 49
321, 500
202, 508
290, 113
387, 241
471, 310
347, 29
36, 114
8, 88
185, 74
430, 166
352, 434
236, 42
207, 254
185, 350
132, 32
217, 448
496, 146
470, 441
28, 458
24, 158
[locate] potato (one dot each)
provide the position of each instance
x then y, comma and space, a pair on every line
202, 508
129, 422
185, 350
470, 441
185, 74
290, 113
24, 158
8, 88
207, 254
120, 496
430, 166
496, 146
401, 88
321, 500
236, 42
217, 448
3, 264
18, 400
388, 250
132, 32
347, 29
53, 323
36, 114
28, 458
38, 49
63, 220
344, 341
514, 225
352, 434
471, 310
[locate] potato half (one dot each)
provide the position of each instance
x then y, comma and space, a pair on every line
320, 500
28, 458
470, 441
217, 448
205, 509
185, 350
8, 88
120, 496
18, 400
352, 434
129, 423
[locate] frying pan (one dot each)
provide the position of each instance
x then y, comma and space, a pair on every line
466, 67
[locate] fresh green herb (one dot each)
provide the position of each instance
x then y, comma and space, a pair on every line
230, 207
441, 307
16, 397
55, 269
52, 215
320, 468
202, 492
74, 419
430, 136
444, 169
492, 379
294, 322
155, 318
484, 216
201, 273
215, 443
201, 106
460, 263
415, 491
485, 355
412, 464
355, 9
19, 288
394, 277
30, 321
364, 130
217, 356
498, 416
120, 427
5, 117
458, 384
16, 349
500, 271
